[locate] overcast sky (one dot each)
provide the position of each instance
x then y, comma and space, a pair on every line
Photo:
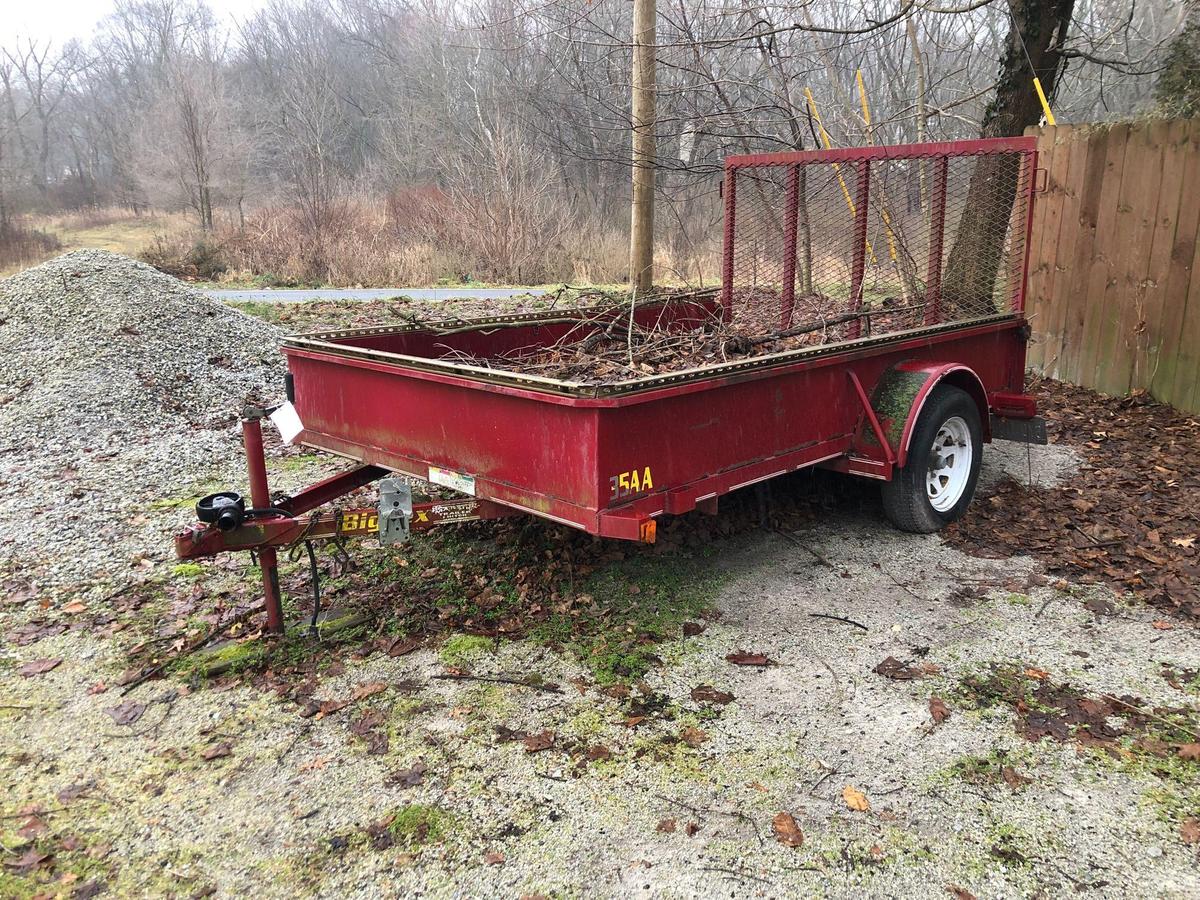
62, 20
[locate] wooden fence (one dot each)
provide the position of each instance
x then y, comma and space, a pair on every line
1114, 291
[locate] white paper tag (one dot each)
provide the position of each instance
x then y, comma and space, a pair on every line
287, 420
462, 483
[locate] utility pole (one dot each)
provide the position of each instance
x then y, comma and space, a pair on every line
641, 241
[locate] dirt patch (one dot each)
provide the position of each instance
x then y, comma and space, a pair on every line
1129, 518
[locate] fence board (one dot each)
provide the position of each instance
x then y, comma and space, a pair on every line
1114, 294
1038, 269
1186, 375
1179, 274
1123, 307
1053, 156
1148, 341
1074, 296
1063, 253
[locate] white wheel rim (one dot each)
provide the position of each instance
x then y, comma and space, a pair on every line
949, 464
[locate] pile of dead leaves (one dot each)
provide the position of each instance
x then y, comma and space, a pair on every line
1058, 711
1130, 518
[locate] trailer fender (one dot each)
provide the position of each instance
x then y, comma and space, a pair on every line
902, 390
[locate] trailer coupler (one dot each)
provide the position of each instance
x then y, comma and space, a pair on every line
227, 524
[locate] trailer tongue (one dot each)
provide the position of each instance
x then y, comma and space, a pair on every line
909, 407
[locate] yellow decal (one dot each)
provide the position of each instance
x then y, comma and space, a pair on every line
626, 484
359, 521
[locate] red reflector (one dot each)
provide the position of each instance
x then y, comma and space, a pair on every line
1015, 406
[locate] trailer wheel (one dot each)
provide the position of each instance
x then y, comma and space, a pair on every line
937, 483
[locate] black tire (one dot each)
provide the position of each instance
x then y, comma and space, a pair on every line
906, 499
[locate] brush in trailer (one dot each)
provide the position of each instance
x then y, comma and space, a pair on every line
910, 403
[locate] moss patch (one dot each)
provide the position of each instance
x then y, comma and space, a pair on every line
418, 824
626, 608
463, 649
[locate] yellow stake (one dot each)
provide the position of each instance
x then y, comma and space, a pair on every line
862, 96
866, 109
837, 170
1037, 84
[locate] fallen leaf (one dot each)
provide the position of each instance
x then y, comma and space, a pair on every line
32, 827
402, 646
315, 764
959, 893
98, 688
494, 858
691, 629
93, 888
38, 667
536, 743
855, 799
1162, 626
381, 837
75, 791
405, 778
939, 710
1189, 831
367, 690
706, 693
598, 752
1038, 674
28, 861
691, 829
666, 826
1013, 778
217, 751
75, 606
1189, 751
693, 736
787, 832
127, 713
742, 658
897, 671
1186, 542
634, 721
370, 726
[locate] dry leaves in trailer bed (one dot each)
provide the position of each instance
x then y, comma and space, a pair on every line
1129, 518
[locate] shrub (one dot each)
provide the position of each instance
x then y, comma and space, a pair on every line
23, 246
186, 256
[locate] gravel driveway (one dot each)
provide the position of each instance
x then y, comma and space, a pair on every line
498, 789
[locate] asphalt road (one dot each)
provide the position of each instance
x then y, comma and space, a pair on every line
423, 294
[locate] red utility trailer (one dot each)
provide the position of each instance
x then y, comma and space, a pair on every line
916, 258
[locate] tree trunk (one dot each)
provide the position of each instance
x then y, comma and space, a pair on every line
974, 261
641, 241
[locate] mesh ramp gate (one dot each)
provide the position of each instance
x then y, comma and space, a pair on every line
871, 240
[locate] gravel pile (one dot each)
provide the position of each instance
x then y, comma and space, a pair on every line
120, 388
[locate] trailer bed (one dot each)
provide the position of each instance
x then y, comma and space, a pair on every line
608, 458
